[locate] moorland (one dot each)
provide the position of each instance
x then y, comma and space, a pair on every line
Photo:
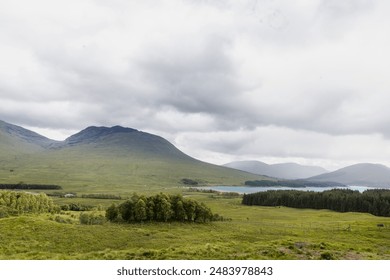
99, 167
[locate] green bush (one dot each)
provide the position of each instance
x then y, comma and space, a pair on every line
92, 218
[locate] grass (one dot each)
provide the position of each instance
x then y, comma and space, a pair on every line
84, 170
254, 233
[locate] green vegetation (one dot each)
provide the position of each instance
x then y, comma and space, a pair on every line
92, 218
17, 203
218, 193
187, 181
253, 233
376, 202
23, 186
160, 208
77, 207
101, 196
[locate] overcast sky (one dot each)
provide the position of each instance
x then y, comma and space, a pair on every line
305, 81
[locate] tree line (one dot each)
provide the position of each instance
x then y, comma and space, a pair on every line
16, 203
376, 202
160, 208
23, 186
101, 196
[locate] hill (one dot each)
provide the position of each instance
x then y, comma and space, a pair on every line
15, 140
364, 174
280, 170
105, 159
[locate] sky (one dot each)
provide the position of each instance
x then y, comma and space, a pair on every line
303, 81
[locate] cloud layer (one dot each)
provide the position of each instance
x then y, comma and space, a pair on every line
259, 79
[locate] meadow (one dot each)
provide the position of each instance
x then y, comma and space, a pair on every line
252, 232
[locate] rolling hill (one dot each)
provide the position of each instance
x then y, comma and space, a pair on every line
16, 140
104, 159
280, 170
364, 174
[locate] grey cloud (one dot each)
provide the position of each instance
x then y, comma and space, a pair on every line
224, 67
345, 8
194, 79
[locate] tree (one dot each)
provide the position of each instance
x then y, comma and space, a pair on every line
140, 211
127, 210
112, 213
189, 207
202, 213
150, 213
165, 210
180, 213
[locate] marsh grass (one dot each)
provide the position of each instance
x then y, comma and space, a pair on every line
253, 233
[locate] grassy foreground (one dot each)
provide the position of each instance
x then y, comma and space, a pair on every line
254, 233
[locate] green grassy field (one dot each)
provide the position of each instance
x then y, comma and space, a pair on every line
85, 171
252, 233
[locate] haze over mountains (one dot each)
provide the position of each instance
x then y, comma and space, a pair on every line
362, 174
280, 170
102, 158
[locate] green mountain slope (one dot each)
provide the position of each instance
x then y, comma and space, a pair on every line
101, 159
17, 142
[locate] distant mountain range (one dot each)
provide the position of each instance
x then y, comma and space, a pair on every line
98, 158
280, 170
104, 159
362, 174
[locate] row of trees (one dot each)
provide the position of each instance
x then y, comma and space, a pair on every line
160, 208
23, 186
376, 202
13, 203
101, 196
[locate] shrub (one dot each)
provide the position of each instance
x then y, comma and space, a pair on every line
92, 218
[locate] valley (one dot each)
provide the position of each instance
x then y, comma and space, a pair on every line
252, 233
100, 166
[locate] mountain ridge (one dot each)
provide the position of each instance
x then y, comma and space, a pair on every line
94, 132
279, 170
366, 174
102, 157
28, 136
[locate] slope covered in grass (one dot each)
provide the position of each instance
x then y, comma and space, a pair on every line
115, 159
253, 233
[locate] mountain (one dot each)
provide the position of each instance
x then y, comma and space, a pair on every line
123, 139
363, 174
18, 140
93, 134
280, 170
105, 159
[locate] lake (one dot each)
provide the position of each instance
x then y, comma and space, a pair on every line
244, 189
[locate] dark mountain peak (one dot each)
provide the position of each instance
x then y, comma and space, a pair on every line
92, 133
